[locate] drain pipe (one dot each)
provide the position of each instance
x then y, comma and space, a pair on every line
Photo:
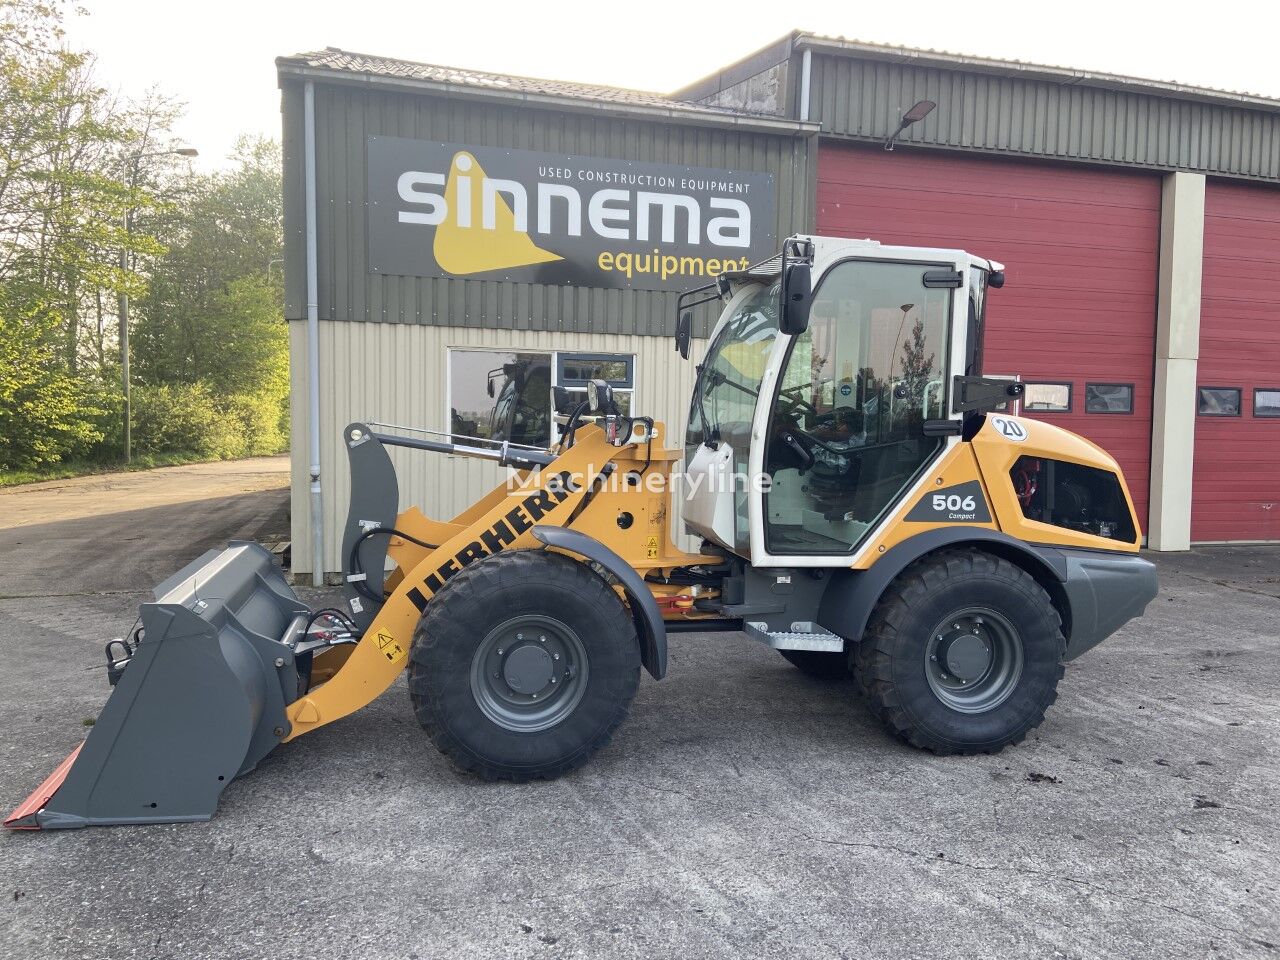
313, 337
806, 64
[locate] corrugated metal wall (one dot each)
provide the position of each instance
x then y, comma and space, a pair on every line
396, 373
864, 99
346, 115
1236, 481
1080, 247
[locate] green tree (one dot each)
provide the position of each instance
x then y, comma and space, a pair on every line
211, 314
61, 205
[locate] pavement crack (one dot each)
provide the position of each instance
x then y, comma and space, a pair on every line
656, 789
1229, 585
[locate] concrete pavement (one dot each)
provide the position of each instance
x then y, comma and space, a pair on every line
743, 810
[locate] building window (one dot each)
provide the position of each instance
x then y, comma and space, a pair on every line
497, 395
1047, 398
573, 370
1266, 402
1219, 402
1108, 398
506, 395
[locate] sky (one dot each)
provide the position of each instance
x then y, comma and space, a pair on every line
218, 57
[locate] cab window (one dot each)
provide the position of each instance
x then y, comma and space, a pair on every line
846, 436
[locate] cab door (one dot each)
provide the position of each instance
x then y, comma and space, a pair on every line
844, 438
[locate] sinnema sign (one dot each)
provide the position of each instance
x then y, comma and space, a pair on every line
451, 210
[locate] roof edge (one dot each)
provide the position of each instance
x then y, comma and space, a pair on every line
1017, 68
295, 67
758, 60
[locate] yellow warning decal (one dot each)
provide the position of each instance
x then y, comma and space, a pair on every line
389, 646
651, 548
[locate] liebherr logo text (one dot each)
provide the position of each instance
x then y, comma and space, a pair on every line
500, 534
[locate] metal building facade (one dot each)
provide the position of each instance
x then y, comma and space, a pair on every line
384, 339
1182, 411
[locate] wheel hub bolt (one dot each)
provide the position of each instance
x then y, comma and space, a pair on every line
519, 636
542, 639
555, 656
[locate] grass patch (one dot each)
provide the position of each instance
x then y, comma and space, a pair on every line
64, 471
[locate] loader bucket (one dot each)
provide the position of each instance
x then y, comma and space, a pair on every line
200, 700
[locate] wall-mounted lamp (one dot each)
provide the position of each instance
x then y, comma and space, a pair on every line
914, 115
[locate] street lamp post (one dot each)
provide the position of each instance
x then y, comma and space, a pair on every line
123, 298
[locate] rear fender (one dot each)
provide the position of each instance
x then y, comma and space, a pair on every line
650, 629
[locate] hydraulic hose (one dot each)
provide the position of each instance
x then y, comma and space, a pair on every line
356, 568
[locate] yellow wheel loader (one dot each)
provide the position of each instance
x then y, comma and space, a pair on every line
864, 500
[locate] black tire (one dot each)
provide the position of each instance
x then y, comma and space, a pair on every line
910, 692
460, 636
827, 667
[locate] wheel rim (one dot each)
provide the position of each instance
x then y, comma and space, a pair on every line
529, 673
973, 660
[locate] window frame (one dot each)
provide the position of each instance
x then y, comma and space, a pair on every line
760, 497
554, 357
1264, 416
627, 382
1239, 392
1133, 391
1029, 411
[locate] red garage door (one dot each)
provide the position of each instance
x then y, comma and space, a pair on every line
1236, 485
1081, 249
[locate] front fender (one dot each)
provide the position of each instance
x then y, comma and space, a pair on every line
650, 629
851, 595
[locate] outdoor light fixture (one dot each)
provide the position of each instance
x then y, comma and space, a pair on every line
914, 115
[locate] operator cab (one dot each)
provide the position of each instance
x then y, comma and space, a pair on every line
802, 435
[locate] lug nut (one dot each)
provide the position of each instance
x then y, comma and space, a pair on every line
555, 656
279, 661
519, 636
499, 651
542, 639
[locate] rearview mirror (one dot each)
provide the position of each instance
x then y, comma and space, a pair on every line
489, 388
797, 298
684, 330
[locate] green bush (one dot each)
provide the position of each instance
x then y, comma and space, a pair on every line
187, 418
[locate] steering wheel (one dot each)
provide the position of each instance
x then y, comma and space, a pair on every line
795, 402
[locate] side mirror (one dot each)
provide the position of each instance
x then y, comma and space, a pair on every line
684, 330
996, 279
489, 388
797, 298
